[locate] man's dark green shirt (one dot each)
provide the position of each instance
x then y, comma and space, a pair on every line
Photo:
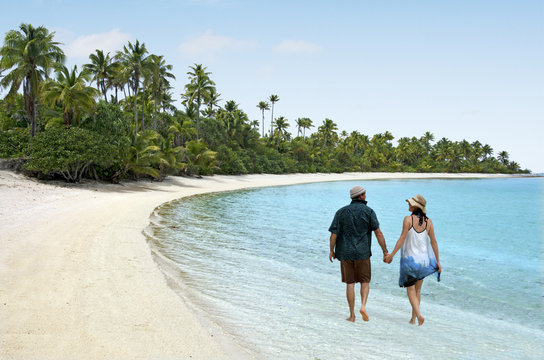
353, 225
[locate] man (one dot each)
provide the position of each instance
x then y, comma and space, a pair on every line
351, 235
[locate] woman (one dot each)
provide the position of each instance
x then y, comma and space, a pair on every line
419, 257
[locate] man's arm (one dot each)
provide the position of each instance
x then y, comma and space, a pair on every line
381, 241
333, 243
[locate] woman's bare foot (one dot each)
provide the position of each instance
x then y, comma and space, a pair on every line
420, 320
351, 318
364, 315
413, 321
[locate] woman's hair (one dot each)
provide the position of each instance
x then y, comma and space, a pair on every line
420, 214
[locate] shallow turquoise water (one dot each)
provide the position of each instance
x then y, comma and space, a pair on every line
256, 262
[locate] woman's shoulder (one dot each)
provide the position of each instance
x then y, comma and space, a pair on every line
429, 222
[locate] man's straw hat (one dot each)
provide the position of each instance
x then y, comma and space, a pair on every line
419, 202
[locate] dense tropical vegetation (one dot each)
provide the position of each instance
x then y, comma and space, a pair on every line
116, 118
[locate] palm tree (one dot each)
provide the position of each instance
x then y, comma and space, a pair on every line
142, 156
503, 157
254, 124
213, 101
307, 124
199, 157
134, 63
476, 150
102, 69
487, 151
118, 79
444, 151
327, 131
465, 149
160, 73
426, 139
182, 127
300, 125
70, 90
273, 99
171, 156
402, 151
28, 55
358, 142
263, 105
198, 90
231, 106
167, 102
280, 133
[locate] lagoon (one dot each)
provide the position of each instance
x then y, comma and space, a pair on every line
255, 262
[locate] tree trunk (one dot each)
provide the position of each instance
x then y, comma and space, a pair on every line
104, 91
272, 121
197, 117
136, 106
263, 123
33, 132
143, 107
155, 115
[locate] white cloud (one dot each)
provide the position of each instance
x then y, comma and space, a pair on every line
297, 47
84, 45
209, 44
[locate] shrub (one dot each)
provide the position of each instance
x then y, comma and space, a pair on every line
14, 143
69, 152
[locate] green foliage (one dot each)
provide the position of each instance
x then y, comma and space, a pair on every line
143, 155
69, 152
14, 143
201, 160
109, 121
111, 142
12, 114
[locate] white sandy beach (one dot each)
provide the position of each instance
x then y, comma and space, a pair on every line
77, 278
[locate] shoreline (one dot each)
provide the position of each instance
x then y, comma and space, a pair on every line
78, 278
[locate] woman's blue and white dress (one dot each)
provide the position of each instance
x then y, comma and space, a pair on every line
417, 258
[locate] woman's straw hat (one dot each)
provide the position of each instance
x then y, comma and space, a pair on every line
419, 202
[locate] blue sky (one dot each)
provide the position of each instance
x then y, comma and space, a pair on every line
462, 69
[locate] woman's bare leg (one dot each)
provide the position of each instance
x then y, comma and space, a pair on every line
418, 286
414, 301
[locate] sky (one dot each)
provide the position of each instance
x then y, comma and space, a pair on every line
461, 69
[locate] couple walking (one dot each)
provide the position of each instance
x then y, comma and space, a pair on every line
351, 233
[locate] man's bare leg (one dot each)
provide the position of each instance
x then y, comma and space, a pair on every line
365, 289
414, 301
350, 294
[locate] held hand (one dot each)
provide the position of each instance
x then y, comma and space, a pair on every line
439, 268
388, 258
331, 256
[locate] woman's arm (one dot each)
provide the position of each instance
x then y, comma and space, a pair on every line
434, 244
405, 227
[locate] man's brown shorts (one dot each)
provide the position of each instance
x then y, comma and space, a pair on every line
355, 271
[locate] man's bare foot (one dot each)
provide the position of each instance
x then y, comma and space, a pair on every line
364, 314
420, 320
413, 321
351, 318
